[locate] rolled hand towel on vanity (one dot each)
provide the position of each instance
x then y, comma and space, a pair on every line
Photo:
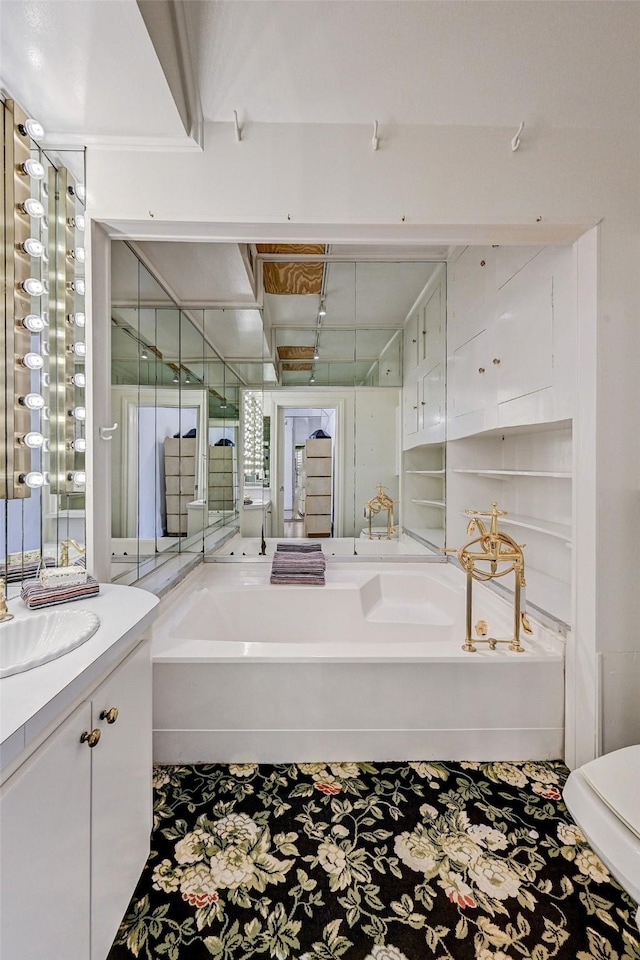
36, 595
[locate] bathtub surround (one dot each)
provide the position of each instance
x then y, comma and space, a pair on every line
370, 861
370, 665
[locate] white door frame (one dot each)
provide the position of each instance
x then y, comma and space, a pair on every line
306, 399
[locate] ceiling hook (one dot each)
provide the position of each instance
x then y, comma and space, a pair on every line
374, 141
515, 143
237, 127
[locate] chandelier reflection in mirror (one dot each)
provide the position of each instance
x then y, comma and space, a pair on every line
252, 451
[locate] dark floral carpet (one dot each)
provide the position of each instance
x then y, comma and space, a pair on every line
372, 861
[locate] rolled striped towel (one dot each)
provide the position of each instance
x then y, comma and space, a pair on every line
36, 595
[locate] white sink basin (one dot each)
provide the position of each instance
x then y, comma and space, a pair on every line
28, 643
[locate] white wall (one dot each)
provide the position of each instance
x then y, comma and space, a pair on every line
457, 183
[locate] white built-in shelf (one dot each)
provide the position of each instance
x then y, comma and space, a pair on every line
427, 473
560, 530
429, 503
518, 473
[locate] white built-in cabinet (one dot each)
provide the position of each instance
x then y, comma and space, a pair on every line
511, 336
84, 813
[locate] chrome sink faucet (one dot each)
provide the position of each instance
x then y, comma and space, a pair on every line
503, 556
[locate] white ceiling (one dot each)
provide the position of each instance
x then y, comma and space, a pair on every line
559, 64
553, 64
87, 70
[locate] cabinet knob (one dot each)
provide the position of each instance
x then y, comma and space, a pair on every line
423, 403
415, 406
90, 738
110, 715
414, 341
480, 369
496, 360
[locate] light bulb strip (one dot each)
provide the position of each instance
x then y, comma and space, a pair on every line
15, 337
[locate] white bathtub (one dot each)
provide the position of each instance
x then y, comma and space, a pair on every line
369, 666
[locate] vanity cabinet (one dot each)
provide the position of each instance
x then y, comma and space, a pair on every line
75, 823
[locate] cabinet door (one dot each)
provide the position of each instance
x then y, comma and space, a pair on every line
121, 795
411, 344
523, 338
411, 405
45, 849
432, 399
433, 326
470, 386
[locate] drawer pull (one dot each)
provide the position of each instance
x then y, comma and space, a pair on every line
90, 738
110, 715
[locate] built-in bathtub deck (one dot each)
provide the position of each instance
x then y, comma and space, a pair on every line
369, 665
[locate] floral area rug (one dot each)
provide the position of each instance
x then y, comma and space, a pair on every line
372, 861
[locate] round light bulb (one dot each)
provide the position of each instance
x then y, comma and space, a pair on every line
76, 319
79, 348
79, 445
31, 128
78, 253
33, 323
33, 208
79, 380
78, 222
78, 477
77, 285
33, 168
33, 440
33, 247
33, 286
32, 479
79, 413
33, 361
81, 193
33, 401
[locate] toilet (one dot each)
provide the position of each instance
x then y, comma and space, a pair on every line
603, 797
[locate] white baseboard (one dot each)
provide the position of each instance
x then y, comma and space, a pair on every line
287, 746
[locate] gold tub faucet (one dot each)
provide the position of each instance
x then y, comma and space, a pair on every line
4, 611
503, 556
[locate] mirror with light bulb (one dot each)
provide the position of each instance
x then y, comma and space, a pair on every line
42, 445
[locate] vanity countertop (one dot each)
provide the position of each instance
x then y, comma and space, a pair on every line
31, 700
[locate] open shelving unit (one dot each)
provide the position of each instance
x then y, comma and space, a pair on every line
423, 495
527, 470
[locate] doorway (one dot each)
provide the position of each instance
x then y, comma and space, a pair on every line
306, 482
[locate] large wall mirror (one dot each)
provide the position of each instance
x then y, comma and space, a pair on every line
177, 453
261, 398
42, 446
